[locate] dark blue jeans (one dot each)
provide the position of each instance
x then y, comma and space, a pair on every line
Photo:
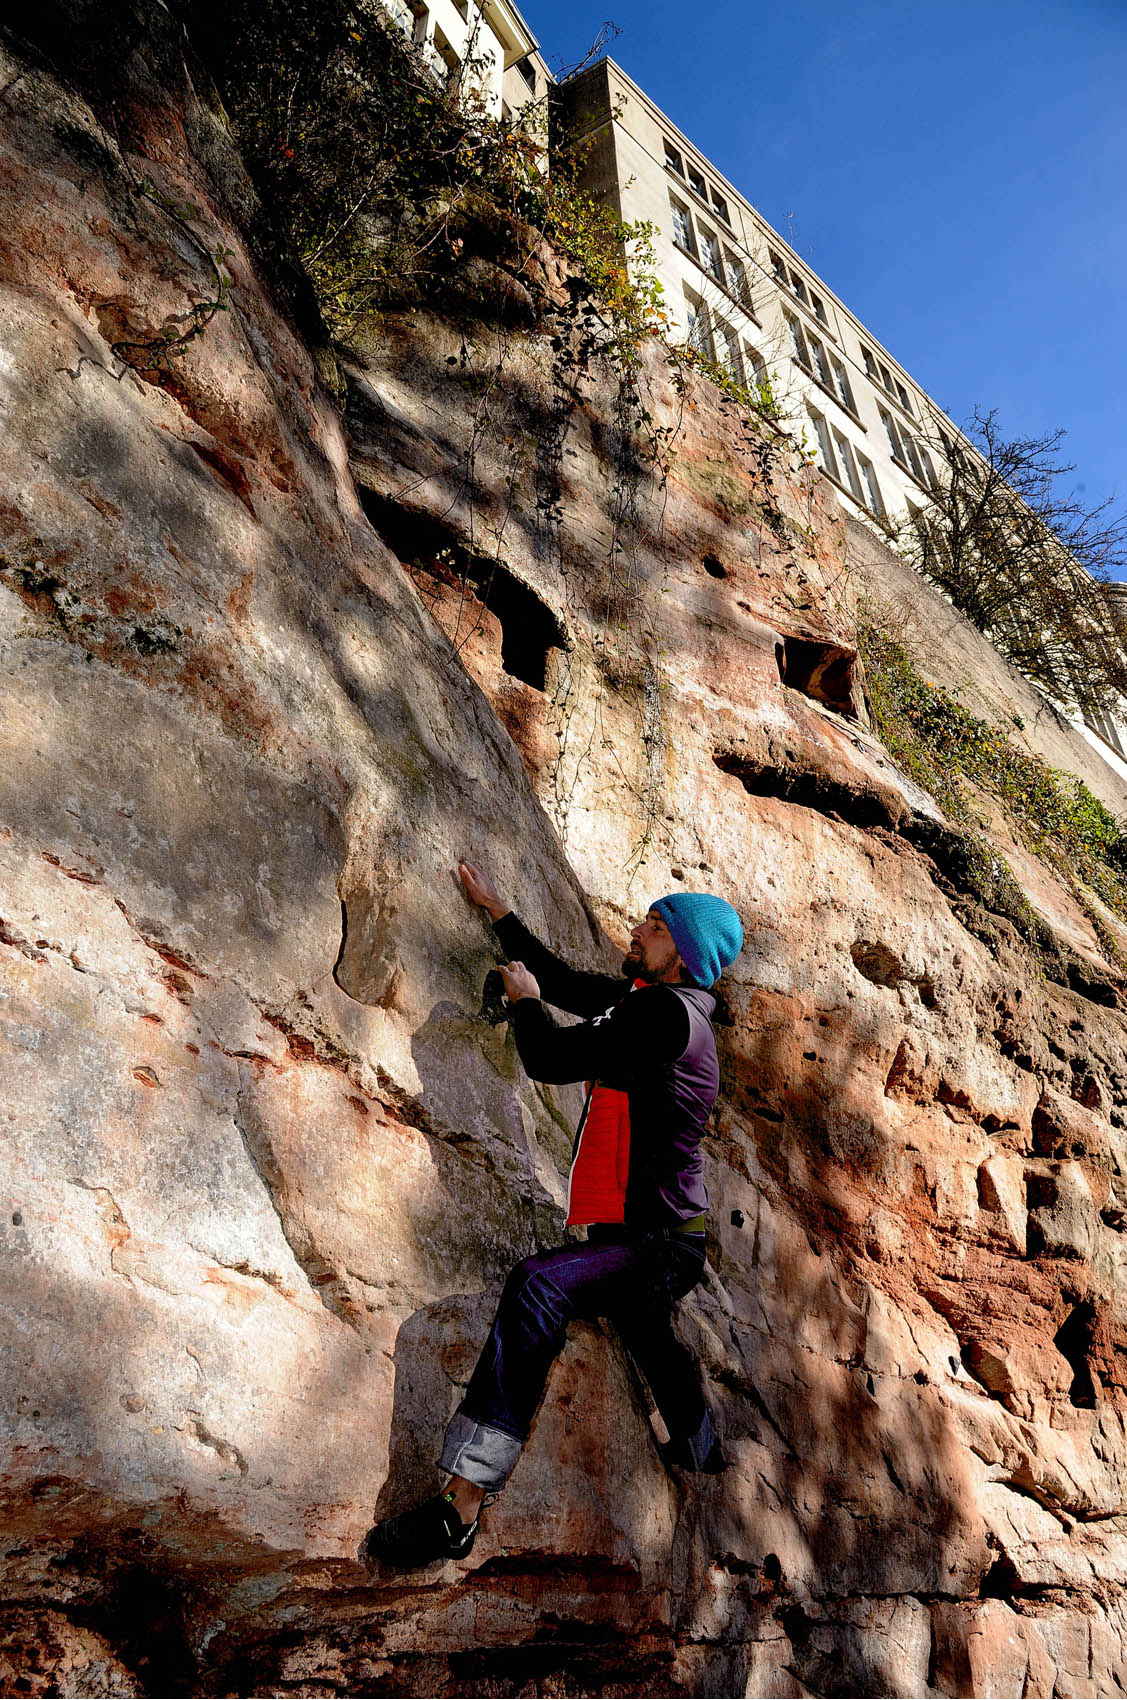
634, 1280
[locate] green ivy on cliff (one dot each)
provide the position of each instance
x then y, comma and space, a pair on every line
940, 744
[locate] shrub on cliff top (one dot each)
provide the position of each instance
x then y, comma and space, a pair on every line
379, 178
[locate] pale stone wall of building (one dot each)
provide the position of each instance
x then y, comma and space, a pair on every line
491, 34
526, 82
735, 288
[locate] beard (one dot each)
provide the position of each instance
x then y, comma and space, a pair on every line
634, 968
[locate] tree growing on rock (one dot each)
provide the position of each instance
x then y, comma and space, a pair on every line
1030, 566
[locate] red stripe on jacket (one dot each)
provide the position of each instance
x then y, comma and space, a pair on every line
597, 1189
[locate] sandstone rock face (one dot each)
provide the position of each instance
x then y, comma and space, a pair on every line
266, 679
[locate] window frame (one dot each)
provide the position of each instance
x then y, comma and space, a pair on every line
733, 363
841, 385
736, 289
825, 442
689, 247
868, 471
798, 342
820, 364
848, 460
698, 315
704, 238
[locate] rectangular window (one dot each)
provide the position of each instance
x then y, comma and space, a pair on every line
910, 452
700, 331
403, 17
778, 267
697, 183
730, 356
885, 376
928, 469
872, 488
736, 276
842, 385
673, 159
799, 288
720, 206
821, 364
905, 399
710, 254
682, 227
448, 62
955, 455
818, 306
825, 447
870, 365
798, 341
893, 436
848, 466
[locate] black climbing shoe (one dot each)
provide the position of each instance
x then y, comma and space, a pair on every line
424, 1535
678, 1454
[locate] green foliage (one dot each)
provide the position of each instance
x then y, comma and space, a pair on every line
383, 182
940, 744
758, 399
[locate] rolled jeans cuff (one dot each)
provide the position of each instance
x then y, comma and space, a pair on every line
478, 1453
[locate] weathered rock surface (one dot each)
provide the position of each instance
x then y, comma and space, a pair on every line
266, 1165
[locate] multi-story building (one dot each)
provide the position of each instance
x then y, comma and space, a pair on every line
739, 294
488, 36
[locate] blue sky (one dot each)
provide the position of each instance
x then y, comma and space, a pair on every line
954, 171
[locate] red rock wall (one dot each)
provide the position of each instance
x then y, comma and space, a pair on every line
266, 1164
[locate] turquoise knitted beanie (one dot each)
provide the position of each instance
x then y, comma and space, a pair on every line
706, 930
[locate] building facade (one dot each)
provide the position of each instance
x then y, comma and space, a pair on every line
740, 295
481, 45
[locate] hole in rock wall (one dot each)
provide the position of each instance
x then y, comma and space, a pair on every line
826, 672
805, 789
876, 962
142, 1618
1000, 1582
1074, 1340
430, 550
713, 568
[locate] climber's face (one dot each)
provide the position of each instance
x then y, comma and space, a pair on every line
653, 955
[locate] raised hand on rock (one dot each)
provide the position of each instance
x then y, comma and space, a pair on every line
481, 890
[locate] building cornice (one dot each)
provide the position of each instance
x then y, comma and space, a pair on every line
511, 31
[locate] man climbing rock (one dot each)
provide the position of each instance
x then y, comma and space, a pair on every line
636, 1183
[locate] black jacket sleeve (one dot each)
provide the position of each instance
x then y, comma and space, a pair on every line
649, 1029
568, 988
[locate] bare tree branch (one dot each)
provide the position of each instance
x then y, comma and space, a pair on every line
1028, 564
